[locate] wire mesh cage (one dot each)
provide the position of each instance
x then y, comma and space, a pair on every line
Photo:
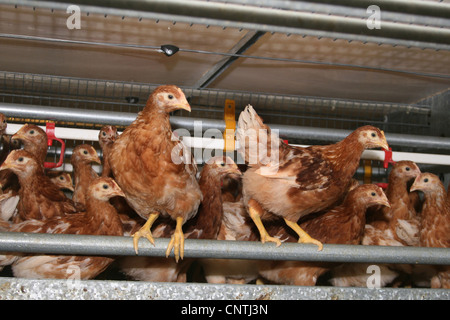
97, 94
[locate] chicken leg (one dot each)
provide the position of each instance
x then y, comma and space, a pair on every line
262, 230
303, 236
177, 241
145, 231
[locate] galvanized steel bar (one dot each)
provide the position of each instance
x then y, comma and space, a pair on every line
291, 132
253, 250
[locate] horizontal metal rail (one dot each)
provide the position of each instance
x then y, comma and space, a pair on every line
265, 19
66, 244
287, 131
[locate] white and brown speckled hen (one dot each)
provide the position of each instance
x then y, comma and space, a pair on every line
292, 182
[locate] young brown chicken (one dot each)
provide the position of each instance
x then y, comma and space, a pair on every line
435, 221
106, 138
343, 224
155, 170
397, 225
39, 197
400, 222
82, 158
205, 225
63, 180
34, 140
292, 182
99, 219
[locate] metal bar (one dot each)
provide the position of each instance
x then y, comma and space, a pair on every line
291, 132
265, 19
428, 8
276, 17
68, 244
248, 40
339, 9
57, 289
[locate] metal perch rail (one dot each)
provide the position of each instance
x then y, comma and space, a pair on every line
67, 244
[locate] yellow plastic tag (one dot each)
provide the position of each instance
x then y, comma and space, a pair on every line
230, 125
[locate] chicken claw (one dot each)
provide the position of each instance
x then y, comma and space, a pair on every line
303, 236
145, 231
262, 231
177, 241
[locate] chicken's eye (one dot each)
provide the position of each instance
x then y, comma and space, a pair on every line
373, 135
85, 152
61, 178
407, 168
20, 159
170, 96
31, 131
222, 164
425, 180
105, 186
103, 133
373, 194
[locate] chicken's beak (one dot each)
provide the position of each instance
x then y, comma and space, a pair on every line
5, 165
184, 106
415, 186
117, 191
96, 159
18, 136
384, 202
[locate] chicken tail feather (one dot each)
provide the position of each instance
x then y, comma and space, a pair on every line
256, 141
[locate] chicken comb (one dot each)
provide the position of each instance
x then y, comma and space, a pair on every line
50, 130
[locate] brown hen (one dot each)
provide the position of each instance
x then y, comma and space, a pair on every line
400, 222
100, 219
39, 197
292, 182
154, 169
82, 158
344, 224
63, 180
106, 137
435, 221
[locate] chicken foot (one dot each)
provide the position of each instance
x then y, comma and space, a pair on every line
262, 230
145, 231
303, 236
177, 241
